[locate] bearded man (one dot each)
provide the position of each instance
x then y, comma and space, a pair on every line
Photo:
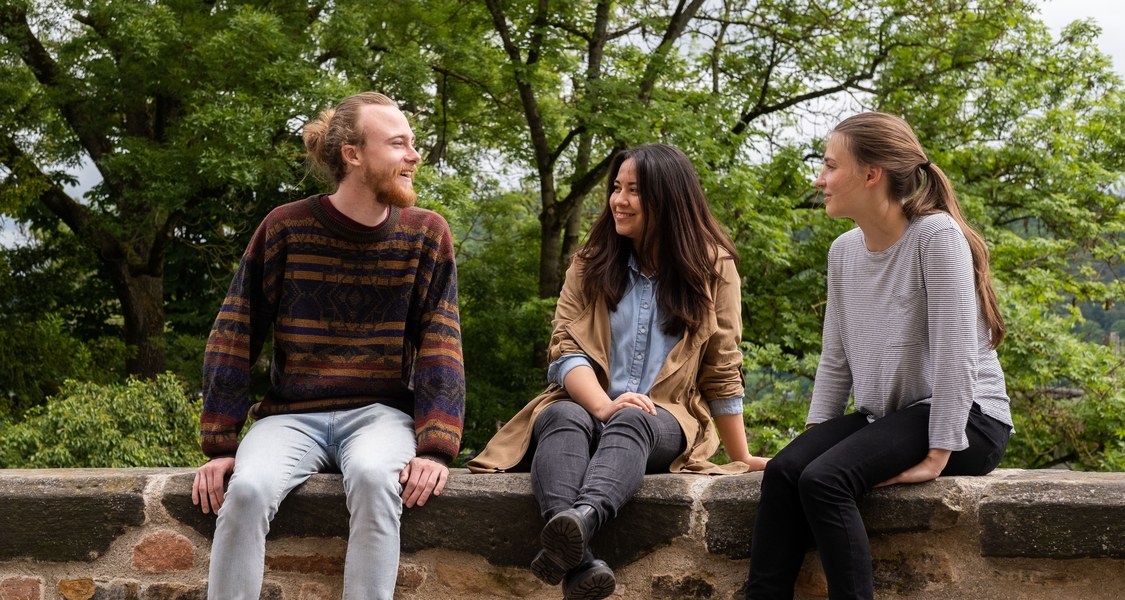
359, 288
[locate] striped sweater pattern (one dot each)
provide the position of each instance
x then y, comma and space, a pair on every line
358, 316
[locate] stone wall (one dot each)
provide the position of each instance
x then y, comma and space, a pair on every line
133, 534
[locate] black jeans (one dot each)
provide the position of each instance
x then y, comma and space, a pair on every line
579, 460
809, 493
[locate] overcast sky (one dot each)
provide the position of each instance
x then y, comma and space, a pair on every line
1109, 14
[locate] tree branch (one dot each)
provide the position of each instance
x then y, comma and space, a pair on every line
14, 26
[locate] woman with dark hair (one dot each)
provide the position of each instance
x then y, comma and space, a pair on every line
910, 331
644, 354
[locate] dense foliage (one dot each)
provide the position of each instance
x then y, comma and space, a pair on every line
187, 114
135, 424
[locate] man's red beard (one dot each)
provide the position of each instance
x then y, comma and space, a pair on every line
390, 188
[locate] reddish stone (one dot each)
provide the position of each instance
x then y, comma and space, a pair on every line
315, 564
77, 589
21, 588
163, 551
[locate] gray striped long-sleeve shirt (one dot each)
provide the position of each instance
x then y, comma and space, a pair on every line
902, 326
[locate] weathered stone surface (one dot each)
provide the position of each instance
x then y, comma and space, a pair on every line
659, 513
175, 591
929, 506
903, 573
77, 589
315, 509
410, 577
314, 564
162, 552
494, 516
1054, 514
676, 587
67, 514
21, 588
497, 517
487, 583
731, 505
118, 589
314, 591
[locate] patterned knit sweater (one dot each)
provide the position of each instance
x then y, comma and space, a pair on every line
359, 316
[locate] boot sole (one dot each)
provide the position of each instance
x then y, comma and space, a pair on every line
594, 586
563, 541
546, 569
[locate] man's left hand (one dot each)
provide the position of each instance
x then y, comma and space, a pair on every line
420, 478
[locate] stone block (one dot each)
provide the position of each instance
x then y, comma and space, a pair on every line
77, 589
1054, 514
162, 552
731, 505
62, 515
175, 591
21, 588
930, 506
313, 564
660, 512
118, 589
494, 516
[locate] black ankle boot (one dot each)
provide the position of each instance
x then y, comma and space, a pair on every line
591, 580
565, 539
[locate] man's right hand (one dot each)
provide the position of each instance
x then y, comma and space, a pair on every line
207, 489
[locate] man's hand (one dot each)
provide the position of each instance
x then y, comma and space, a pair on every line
207, 489
421, 477
927, 470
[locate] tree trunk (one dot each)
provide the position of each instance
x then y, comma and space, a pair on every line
142, 309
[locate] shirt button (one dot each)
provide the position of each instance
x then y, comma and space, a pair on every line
633, 381
640, 356
645, 305
642, 330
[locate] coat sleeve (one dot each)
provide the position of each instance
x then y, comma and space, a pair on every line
720, 370
570, 306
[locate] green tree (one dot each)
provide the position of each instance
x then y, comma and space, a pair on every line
184, 110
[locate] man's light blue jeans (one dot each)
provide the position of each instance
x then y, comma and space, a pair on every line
369, 445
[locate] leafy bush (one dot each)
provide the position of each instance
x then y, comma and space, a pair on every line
135, 424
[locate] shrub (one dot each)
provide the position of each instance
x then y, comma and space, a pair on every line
134, 424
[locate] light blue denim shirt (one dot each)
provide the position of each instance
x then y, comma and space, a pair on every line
639, 346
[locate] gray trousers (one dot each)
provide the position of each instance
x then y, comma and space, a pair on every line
579, 460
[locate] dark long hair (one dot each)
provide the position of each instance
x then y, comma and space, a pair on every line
887, 141
680, 239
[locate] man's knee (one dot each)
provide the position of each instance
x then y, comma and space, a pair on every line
250, 494
373, 479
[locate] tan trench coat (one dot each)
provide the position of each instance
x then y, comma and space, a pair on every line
705, 365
